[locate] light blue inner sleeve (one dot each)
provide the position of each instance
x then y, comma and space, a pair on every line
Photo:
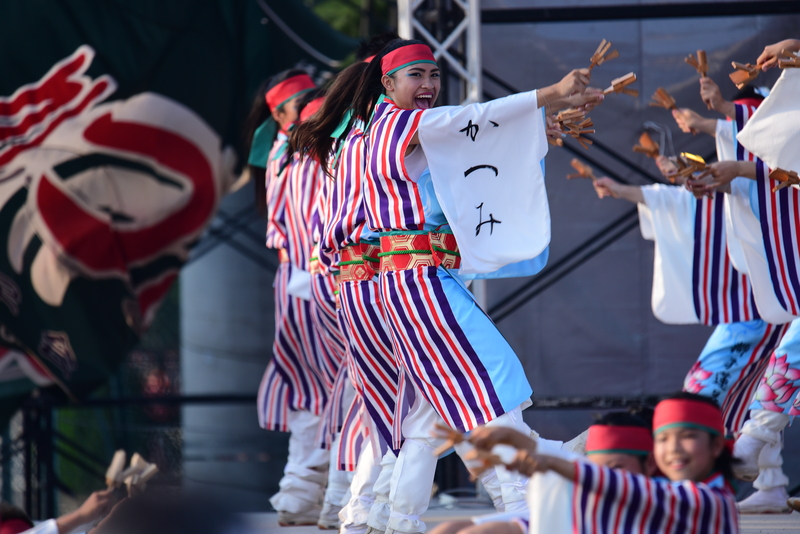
753, 183
754, 199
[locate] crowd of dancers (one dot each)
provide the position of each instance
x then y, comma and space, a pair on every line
372, 197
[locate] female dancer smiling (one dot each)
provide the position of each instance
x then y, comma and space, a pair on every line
461, 369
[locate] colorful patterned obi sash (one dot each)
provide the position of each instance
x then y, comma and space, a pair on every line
314, 266
357, 261
283, 255
402, 250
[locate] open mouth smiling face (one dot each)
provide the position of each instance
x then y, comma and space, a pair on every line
416, 86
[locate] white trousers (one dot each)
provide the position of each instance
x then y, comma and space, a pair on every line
338, 492
302, 487
362, 491
412, 479
381, 508
768, 426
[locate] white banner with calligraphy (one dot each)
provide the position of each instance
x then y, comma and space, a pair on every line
773, 132
485, 162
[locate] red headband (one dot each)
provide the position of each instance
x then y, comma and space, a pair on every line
405, 56
288, 89
607, 439
311, 108
687, 413
370, 58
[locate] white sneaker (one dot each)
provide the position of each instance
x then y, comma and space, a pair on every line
329, 517
299, 519
373, 530
794, 503
746, 449
770, 501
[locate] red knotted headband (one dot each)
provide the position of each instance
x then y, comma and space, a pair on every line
688, 413
607, 439
311, 108
405, 56
288, 89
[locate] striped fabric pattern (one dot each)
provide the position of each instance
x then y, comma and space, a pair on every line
273, 400
294, 358
721, 293
780, 221
736, 404
304, 178
347, 215
435, 350
354, 436
276, 193
320, 214
391, 196
370, 350
611, 500
329, 339
779, 214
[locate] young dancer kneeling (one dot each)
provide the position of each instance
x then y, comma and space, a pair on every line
690, 451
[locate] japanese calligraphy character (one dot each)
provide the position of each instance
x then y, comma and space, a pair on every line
491, 221
478, 167
471, 130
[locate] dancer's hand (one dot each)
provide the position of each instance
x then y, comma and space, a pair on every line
606, 187
485, 438
571, 91
528, 463
590, 98
553, 129
689, 121
574, 82
667, 167
701, 185
724, 172
769, 57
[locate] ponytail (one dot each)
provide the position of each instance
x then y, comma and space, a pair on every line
314, 135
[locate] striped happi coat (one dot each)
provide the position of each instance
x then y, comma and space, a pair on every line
721, 293
276, 192
686, 230
294, 378
779, 214
734, 358
450, 349
375, 370
611, 500
305, 177
768, 233
324, 293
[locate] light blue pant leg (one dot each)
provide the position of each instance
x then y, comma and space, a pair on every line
778, 390
731, 365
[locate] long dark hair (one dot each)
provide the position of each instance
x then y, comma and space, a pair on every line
314, 135
371, 88
374, 45
725, 461
258, 115
304, 100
